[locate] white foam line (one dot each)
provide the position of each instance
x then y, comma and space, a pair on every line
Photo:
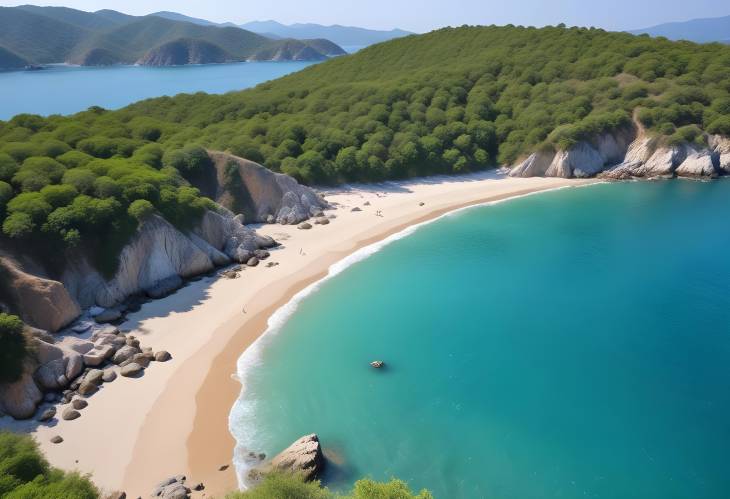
251, 357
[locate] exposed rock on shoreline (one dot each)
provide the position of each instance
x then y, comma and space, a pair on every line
624, 155
303, 457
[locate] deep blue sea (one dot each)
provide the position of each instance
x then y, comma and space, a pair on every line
61, 89
570, 344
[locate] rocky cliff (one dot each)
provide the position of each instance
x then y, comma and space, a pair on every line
259, 194
629, 153
159, 256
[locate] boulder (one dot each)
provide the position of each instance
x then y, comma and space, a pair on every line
303, 457
57, 439
356, 208
79, 404
322, 221
304, 226
109, 375
108, 315
162, 356
58, 364
131, 370
164, 287
143, 359
47, 415
172, 488
252, 262
70, 414
20, 399
125, 353
94, 377
535, 165
87, 389
697, 164
98, 355
42, 302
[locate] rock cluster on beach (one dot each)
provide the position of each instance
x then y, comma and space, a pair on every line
629, 154
69, 369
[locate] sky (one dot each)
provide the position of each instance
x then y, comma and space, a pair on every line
423, 15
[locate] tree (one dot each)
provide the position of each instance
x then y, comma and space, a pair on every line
140, 209
13, 349
24, 473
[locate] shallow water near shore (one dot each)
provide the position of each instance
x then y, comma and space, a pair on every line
574, 343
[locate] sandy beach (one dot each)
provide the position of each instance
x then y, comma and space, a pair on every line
174, 420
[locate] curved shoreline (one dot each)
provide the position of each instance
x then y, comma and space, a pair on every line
175, 420
209, 433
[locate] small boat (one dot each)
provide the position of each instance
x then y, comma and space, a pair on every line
377, 364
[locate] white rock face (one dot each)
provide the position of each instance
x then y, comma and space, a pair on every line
721, 148
536, 165
645, 160
697, 164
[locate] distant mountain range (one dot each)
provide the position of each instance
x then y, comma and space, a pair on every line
341, 35
715, 29
32, 35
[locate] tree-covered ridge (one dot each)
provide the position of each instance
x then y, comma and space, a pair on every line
454, 100
58, 34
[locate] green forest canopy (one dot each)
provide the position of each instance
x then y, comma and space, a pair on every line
454, 100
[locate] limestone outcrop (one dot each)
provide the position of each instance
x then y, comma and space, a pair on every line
303, 457
620, 155
259, 194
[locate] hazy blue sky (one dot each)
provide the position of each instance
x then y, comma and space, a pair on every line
424, 15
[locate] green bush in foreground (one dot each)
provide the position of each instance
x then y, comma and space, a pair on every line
13, 350
284, 486
25, 474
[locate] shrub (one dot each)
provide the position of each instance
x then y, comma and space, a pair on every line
280, 486
72, 159
6, 193
81, 179
25, 474
13, 350
140, 209
53, 148
18, 225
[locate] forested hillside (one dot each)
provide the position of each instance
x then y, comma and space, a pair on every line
453, 100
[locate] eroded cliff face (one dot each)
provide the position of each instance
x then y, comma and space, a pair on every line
159, 257
259, 194
627, 154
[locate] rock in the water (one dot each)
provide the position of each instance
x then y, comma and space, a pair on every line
304, 226
252, 262
303, 457
48, 414
79, 404
69, 414
163, 356
131, 370
56, 439
377, 364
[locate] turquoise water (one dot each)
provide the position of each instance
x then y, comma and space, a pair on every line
70, 89
570, 344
